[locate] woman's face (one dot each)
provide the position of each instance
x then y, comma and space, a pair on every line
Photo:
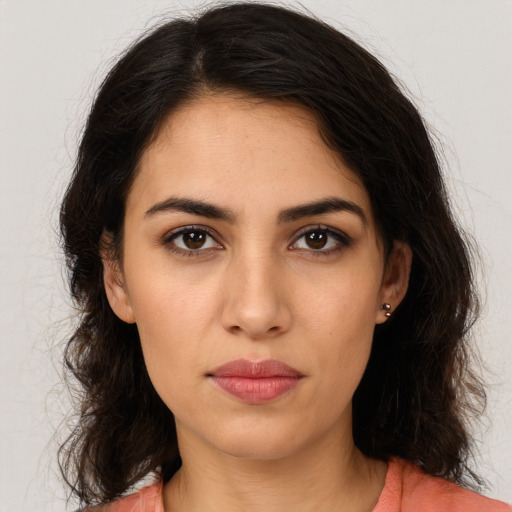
253, 270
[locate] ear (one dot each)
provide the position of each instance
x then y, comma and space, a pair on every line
113, 281
395, 279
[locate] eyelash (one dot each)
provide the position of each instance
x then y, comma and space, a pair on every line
168, 240
342, 239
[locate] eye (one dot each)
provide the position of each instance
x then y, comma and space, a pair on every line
321, 239
191, 239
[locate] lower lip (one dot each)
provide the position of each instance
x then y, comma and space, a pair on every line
257, 391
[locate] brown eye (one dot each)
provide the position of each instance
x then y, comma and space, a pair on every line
316, 239
191, 239
194, 239
322, 240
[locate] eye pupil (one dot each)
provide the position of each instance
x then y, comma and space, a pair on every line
316, 239
194, 239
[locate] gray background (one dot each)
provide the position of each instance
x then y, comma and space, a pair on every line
454, 56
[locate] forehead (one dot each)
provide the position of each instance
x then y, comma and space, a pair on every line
236, 151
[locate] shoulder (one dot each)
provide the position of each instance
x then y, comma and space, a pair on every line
409, 489
148, 499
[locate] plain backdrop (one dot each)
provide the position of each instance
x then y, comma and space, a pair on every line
455, 58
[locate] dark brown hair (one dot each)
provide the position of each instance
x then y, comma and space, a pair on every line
417, 391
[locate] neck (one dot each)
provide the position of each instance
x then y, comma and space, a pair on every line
330, 475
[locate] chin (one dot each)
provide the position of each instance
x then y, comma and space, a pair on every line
259, 443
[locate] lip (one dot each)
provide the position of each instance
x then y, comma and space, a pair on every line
256, 382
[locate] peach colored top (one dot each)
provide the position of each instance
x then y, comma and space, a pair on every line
407, 489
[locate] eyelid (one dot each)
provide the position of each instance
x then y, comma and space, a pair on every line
168, 238
344, 239
190, 227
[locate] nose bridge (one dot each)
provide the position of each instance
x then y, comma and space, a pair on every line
255, 300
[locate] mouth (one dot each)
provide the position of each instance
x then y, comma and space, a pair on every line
256, 382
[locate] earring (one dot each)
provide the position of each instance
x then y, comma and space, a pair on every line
387, 308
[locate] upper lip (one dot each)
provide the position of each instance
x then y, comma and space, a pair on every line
255, 369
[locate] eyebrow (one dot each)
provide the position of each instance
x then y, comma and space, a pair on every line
194, 207
327, 205
208, 210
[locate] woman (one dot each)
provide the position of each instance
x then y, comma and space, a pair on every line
275, 297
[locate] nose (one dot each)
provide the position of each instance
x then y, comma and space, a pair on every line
255, 298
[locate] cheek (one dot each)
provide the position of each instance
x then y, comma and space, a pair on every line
344, 337
170, 344
340, 300
172, 319
174, 312
169, 302
339, 322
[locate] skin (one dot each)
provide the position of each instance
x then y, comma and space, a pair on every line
256, 289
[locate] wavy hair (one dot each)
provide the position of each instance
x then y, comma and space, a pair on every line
418, 389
